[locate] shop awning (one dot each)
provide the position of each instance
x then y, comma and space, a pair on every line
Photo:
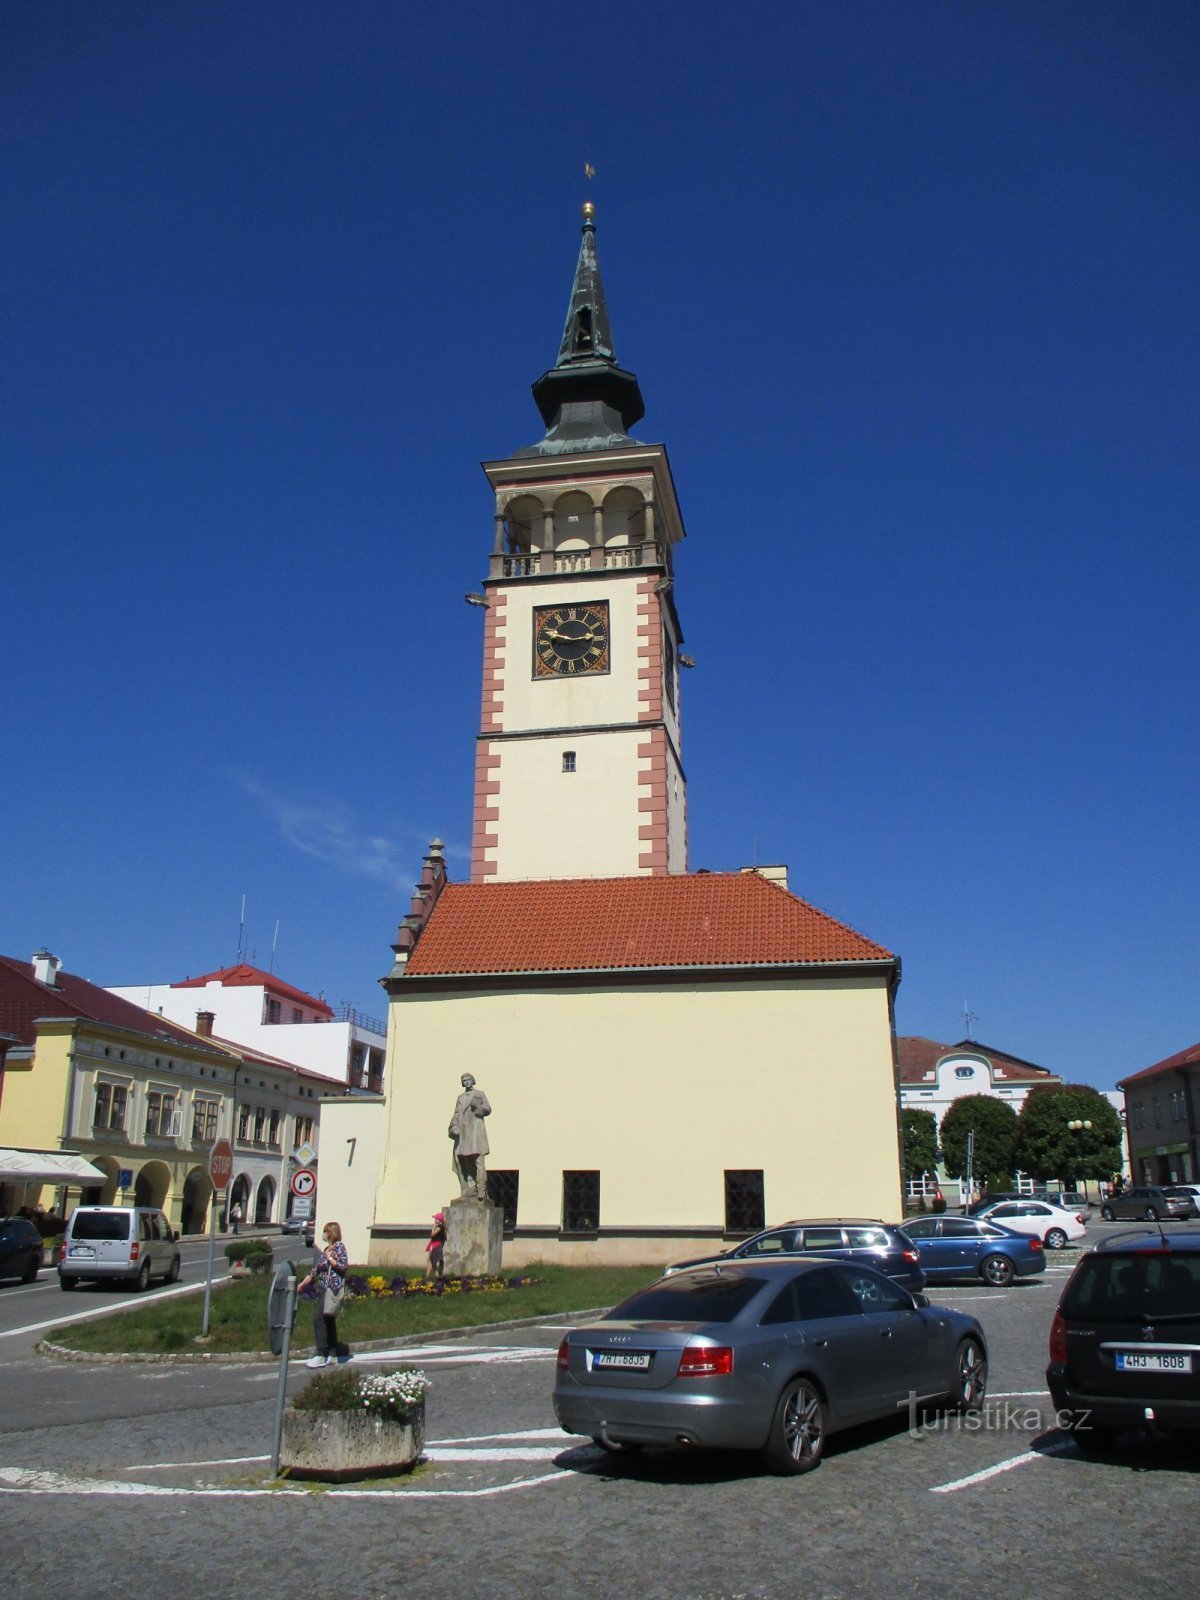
47, 1166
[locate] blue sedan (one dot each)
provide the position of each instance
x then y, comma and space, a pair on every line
965, 1247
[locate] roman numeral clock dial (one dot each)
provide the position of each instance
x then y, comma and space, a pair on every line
570, 641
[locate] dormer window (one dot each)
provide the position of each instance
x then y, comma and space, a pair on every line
964, 1072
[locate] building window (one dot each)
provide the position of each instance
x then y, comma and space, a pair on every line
1178, 1105
669, 668
580, 1202
205, 1117
111, 1100
243, 1122
297, 1014
273, 1131
161, 1115
502, 1190
1157, 1112
745, 1208
272, 1011
375, 1071
358, 1064
568, 761
304, 1131
964, 1072
260, 1123
1139, 1115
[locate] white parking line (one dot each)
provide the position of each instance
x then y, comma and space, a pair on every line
1001, 1466
106, 1311
23, 1480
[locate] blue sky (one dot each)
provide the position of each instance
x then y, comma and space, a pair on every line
911, 293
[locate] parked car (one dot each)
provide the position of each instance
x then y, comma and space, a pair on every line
1053, 1225
20, 1249
117, 1243
1075, 1200
1150, 1201
994, 1196
1125, 1340
307, 1226
969, 1247
879, 1244
764, 1355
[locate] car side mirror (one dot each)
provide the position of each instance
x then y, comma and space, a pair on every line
920, 1301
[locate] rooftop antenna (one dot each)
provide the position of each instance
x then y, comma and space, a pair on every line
969, 1017
274, 942
241, 950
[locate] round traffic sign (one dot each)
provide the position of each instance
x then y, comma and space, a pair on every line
220, 1164
304, 1182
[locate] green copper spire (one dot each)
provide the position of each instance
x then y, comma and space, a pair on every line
586, 400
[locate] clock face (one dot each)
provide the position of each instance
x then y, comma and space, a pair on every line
569, 641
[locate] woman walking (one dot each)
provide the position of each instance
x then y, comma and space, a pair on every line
325, 1286
435, 1249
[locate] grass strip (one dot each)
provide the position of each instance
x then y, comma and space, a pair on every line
238, 1317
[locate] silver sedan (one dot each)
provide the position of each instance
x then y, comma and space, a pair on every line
769, 1356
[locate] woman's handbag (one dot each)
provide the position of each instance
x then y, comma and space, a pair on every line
331, 1306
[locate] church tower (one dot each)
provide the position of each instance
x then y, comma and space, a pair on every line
578, 772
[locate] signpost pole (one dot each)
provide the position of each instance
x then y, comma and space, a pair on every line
212, 1239
220, 1170
289, 1316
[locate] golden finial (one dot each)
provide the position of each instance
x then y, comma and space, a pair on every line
589, 211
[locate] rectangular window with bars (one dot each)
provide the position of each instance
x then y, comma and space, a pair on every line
503, 1189
745, 1206
581, 1202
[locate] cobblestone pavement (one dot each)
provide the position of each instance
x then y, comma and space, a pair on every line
156, 1478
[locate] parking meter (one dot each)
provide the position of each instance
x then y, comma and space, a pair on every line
281, 1307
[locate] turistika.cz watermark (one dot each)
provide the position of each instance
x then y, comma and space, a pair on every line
994, 1416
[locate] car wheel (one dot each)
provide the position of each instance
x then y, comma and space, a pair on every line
997, 1270
868, 1291
797, 1438
173, 1272
970, 1376
31, 1271
1056, 1239
1151, 1214
614, 1447
67, 1283
142, 1281
1108, 1213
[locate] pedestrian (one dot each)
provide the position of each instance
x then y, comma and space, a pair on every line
435, 1249
325, 1286
235, 1216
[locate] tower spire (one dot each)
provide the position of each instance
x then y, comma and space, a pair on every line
586, 400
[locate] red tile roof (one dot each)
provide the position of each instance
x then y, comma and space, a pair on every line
1185, 1058
919, 1057
244, 976
23, 1000
717, 919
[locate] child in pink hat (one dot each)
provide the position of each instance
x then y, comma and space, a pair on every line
435, 1247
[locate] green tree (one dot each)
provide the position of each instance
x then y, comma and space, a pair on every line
994, 1124
920, 1141
1048, 1148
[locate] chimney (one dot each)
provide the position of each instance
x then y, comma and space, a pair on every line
204, 1023
46, 968
776, 875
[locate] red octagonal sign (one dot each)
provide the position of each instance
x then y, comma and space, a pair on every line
220, 1164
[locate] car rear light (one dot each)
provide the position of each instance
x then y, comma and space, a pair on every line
1079, 1217
133, 1251
1058, 1338
1034, 1242
563, 1360
912, 1255
62, 1249
705, 1361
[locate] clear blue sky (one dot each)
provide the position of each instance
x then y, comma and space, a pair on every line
911, 290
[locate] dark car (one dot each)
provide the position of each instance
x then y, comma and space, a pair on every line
1149, 1201
767, 1355
878, 1244
20, 1249
968, 1247
305, 1226
1125, 1341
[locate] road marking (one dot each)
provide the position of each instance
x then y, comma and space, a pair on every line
108, 1310
562, 1441
1001, 1466
23, 1480
457, 1355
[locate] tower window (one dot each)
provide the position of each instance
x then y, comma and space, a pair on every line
568, 761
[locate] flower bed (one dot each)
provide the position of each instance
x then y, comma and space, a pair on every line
347, 1424
378, 1287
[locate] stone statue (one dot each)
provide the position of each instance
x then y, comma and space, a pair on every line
470, 1139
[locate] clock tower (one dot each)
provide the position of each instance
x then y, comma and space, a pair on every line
578, 772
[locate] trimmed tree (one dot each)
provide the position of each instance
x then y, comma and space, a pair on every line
920, 1141
1048, 1148
994, 1124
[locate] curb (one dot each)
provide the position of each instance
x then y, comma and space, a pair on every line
61, 1352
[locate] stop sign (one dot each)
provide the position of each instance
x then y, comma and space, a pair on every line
220, 1164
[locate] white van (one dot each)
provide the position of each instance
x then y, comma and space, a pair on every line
117, 1243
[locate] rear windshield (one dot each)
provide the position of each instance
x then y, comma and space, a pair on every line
1150, 1284
690, 1297
100, 1224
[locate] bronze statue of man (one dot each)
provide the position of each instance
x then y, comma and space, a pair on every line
470, 1139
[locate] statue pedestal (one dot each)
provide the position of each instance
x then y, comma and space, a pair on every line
474, 1232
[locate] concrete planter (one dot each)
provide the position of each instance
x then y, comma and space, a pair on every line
340, 1445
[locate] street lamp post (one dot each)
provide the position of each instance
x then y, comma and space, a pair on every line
1081, 1125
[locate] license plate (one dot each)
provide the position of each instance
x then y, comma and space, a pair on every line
82, 1250
628, 1360
1153, 1361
